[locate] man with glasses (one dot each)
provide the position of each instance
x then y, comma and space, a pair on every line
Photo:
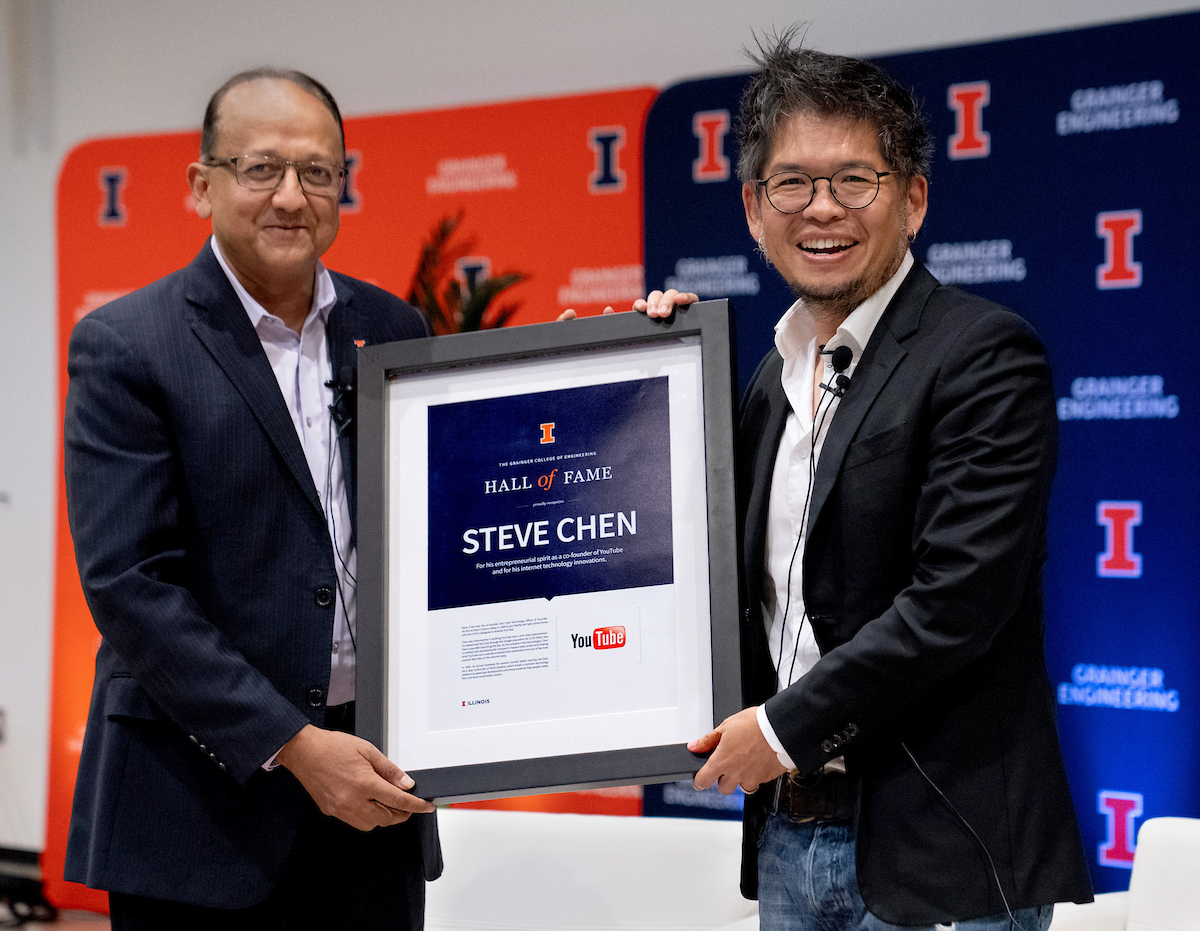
895, 460
210, 489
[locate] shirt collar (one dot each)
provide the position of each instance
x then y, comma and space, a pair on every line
324, 295
793, 331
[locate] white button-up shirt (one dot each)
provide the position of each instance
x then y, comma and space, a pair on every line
301, 365
793, 648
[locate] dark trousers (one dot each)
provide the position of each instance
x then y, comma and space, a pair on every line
335, 878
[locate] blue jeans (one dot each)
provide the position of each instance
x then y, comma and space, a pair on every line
807, 882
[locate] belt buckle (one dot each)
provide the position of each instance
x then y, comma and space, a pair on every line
804, 785
785, 797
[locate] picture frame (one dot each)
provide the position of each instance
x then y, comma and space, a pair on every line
548, 567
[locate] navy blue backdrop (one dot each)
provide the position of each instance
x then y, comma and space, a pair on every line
1061, 187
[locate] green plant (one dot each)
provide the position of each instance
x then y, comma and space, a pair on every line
440, 296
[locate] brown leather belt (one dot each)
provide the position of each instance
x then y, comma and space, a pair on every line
826, 797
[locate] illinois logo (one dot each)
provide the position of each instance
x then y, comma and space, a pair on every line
967, 101
1120, 809
1117, 228
547, 433
351, 201
112, 186
606, 143
1118, 518
710, 127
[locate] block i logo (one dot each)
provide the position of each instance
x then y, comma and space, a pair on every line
967, 101
606, 143
710, 127
112, 186
1118, 518
1117, 228
1120, 810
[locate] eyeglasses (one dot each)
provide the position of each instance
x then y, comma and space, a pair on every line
265, 173
854, 187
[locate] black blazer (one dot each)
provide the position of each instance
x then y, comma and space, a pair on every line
208, 569
922, 581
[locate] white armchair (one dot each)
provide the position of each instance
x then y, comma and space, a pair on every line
1164, 890
533, 871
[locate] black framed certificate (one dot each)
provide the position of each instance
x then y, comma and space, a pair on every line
547, 552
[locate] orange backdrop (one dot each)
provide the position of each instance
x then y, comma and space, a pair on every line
550, 188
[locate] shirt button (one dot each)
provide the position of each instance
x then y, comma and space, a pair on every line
335, 648
323, 596
316, 697
308, 421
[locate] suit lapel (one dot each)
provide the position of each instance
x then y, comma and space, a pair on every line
220, 323
770, 433
882, 355
342, 329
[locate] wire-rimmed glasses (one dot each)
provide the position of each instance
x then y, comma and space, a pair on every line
265, 173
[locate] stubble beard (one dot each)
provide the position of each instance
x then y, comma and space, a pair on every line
835, 304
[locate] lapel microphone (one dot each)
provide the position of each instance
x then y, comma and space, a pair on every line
841, 359
342, 408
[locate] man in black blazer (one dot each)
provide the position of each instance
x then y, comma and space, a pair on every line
896, 452
210, 486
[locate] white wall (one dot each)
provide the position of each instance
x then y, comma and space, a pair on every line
75, 69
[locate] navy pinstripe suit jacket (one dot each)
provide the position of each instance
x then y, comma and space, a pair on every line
206, 564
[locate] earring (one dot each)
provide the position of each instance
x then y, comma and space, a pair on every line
912, 234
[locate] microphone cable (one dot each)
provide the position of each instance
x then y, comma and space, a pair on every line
841, 357
970, 830
338, 422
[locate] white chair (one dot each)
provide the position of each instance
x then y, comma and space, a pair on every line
1164, 890
534, 871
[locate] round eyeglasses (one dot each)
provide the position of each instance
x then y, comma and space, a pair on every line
854, 187
265, 173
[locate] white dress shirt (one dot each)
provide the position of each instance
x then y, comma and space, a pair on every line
793, 648
301, 365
